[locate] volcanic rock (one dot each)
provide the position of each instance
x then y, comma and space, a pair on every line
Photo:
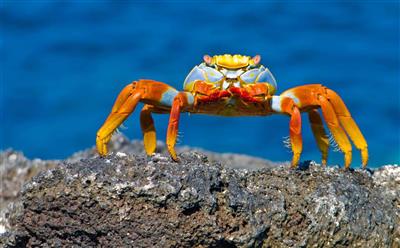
206, 200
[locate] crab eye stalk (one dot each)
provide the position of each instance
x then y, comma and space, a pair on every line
255, 60
207, 59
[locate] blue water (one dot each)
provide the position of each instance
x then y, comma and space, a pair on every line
63, 64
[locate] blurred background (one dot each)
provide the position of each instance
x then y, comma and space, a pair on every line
63, 64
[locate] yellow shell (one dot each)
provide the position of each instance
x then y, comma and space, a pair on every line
232, 61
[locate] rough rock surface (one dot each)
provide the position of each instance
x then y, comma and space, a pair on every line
15, 170
128, 200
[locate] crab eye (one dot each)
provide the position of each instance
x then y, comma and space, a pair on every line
266, 77
250, 76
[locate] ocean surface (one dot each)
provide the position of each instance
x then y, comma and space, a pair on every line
63, 64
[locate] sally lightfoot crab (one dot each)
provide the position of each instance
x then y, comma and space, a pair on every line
236, 85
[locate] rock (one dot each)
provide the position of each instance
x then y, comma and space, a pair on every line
119, 143
15, 170
128, 199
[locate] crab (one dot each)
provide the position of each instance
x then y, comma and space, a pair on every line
236, 85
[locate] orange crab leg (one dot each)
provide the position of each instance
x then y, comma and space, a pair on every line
349, 124
146, 91
318, 130
287, 106
181, 102
116, 117
336, 115
148, 129
147, 126
337, 131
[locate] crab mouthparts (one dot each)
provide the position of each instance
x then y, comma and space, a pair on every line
229, 84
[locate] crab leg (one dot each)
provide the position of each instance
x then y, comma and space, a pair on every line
147, 126
147, 91
148, 129
318, 130
337, 131
287, 106
182, 101
349, 124
336, 115
124, 105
